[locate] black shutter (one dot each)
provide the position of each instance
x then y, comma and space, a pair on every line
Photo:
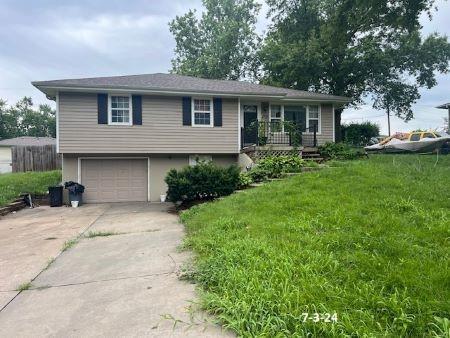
137, 109
102, 108
187, 110
217, 111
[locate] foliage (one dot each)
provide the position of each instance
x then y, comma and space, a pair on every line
339, 151
219, 45
258, 174
14, 184
368, 241
23, 119
205, 180
244, 180
277, 165
360, 49
359, 134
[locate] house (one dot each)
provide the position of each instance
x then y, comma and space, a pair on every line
7, 145
120, 135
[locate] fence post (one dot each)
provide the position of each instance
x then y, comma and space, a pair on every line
315, 135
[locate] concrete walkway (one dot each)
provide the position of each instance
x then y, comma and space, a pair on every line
123, 284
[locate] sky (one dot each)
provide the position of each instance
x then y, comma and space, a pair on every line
54, 39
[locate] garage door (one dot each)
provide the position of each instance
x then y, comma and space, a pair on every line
114, 180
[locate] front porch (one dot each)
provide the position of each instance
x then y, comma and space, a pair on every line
284, 135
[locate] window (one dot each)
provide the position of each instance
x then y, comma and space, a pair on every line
313, 118
202, 113
120, 110
428, 135
275, 118
415, 137
195, 159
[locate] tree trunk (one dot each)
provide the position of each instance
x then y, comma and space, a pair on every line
389, 121
337, 125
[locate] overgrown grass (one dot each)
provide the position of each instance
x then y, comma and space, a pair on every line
14, 184
368, 240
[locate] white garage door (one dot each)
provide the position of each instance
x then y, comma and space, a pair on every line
114, 180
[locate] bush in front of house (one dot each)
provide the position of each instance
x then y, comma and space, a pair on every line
359, 134
245, 179
203, 181
275, 166
339, 151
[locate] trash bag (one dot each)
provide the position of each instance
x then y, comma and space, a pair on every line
74, 187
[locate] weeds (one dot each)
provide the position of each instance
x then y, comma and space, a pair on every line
367, 240
92, 234
24, 286
70, 243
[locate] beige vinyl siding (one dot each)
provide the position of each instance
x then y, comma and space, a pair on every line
327, 124
159, 166
161, 130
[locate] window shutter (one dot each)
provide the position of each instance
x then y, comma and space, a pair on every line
217, 103
137, 109
102, 108
187, 110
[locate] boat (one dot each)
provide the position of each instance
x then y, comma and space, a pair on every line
415, 142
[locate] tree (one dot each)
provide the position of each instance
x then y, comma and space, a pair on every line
221, 44
23, 119
357, 48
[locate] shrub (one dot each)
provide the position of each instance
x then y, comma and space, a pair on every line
205, 180
359, 134
244, 180
276, 165
339, 151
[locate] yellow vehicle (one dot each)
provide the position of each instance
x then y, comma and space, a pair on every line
418, 135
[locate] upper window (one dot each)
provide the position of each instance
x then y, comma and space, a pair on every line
313, 118
275, 118
120, 110
202, 113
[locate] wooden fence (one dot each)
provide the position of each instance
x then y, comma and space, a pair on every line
35, 158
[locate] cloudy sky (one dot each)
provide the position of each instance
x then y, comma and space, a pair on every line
54, 39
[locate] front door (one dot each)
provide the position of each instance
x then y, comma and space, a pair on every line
250, 124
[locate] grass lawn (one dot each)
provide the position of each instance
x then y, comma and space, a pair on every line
369, 241
12, 185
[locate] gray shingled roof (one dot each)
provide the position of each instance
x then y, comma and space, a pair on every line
28, 141
173, 82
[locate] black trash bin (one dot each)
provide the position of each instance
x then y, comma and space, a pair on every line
75, 191
55, 195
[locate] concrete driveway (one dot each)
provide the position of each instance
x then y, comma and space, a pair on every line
119, 279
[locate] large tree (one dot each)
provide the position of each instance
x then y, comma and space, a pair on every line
358, 48
23, 119
221, 44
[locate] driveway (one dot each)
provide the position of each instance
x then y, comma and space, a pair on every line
119, 279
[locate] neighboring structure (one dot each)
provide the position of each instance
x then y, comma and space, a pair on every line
120, 135
446, 106
6, 149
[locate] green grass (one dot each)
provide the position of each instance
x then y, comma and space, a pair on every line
368, 240
14, 184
